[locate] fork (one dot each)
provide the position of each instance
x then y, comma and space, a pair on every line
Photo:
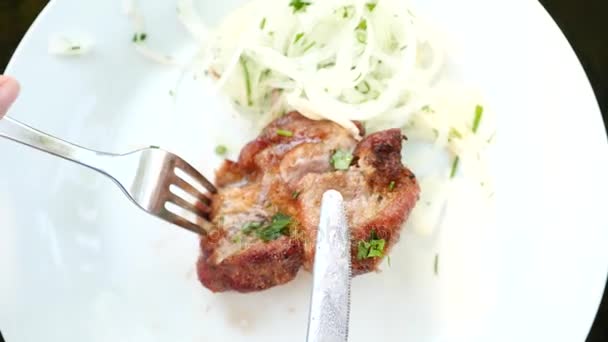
157, 181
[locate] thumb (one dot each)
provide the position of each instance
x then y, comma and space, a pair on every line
9, 89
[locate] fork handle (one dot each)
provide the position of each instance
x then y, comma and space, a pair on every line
29, 136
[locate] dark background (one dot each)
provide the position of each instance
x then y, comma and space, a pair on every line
584, 22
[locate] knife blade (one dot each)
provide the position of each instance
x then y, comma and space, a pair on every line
330, 299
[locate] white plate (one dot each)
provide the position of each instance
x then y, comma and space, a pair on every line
79, 263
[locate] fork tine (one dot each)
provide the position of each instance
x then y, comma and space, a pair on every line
191, 171
182, 222
188, 188
200, 210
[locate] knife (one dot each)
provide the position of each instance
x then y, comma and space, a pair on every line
330, 299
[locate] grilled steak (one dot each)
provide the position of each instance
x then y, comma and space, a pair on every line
266, 212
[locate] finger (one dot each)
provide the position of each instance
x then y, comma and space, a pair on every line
9, 89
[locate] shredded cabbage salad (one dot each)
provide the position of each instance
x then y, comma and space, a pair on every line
340, 60
343, 60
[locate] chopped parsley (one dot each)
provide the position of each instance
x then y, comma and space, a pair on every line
139, 37
371, 248
427, 109
348, 11
221, 150
278, 226
75, 47
247, 80
295, 194
309, 46
298, 37
362, 25
477, 119
370, 6
237, 238
391, 186
299, 5
325, 65
454, 133
341, 160
250, 227
263, 23
284, 133
454, 166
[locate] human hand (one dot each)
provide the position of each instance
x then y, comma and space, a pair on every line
9, 89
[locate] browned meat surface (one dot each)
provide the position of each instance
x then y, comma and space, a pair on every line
266, 212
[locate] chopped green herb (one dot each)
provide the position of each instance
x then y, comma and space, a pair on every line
298, 37
284, 133
363, 87
263, 23
247, 80
75, 48
277, 227
436, 133
299, 5
362, 25
376, 248
154, 146
391, 186
454, 133
362, 250
372, 248
139, 37
348, 11
221, 150
237, 238
436, 264
309, 46
454, 166
427, 108
388, 260
477, 120
295, 194
341, 160
370, 6
171, 93
325, 65
250, 227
